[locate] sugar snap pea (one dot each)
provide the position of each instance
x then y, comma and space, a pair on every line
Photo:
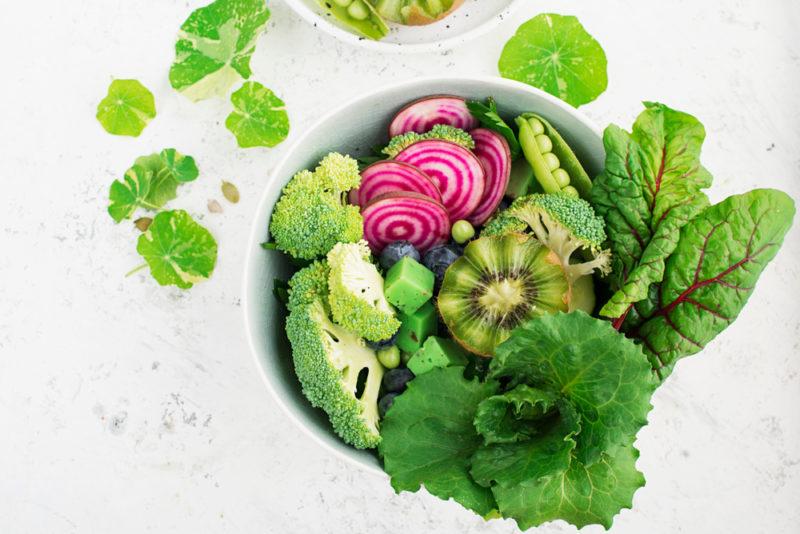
555, 165
359, 15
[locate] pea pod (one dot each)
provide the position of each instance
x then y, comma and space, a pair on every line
359, 15
555, 165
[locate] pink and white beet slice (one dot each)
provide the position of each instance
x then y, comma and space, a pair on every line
423, 114
405, 216
456, 171
493, 151
392, 176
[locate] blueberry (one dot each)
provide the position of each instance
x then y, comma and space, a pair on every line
385, 403
380, 345
438, 259
394, 252
396, 380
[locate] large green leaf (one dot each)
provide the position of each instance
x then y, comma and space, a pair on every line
712, 273
650, 188
215, 45
259, 117
127, 108
603, 375
556, 54
427, 437
580, 495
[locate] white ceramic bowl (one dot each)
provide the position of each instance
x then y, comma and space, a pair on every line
472, 19
352, 129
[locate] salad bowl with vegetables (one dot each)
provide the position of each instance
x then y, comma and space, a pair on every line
469, 287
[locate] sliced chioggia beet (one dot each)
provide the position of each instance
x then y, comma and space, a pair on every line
422, 115
393, 176
456, 171
493, 151
405, 216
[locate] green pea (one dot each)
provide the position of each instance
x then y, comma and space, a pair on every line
358, 10
552, 161
562, 178
342, 3
536, 126
462, 231
389, 357
571, 191
545, 144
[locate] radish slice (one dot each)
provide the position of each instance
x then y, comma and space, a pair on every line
455, 170
422, 115
494, 153
405, 216
388, 176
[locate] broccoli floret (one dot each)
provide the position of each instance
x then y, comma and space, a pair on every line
356, 293
563, 224
440, 131
328, 360
312, 214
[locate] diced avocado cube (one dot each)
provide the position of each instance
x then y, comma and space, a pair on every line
415, 328
408, 285
437, 352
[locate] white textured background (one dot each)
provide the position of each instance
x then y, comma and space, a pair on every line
126, 407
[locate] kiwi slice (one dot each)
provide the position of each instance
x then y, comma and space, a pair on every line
499, 283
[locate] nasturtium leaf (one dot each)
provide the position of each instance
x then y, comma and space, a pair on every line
427, 437
124, 197
215, 45
127, 108
556, 54
259, 117
169, 169
605, 376
650, 188
712, 272
580, 495
489, 117
178, 250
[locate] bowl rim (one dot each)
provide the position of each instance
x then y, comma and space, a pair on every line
311, 17
257, 226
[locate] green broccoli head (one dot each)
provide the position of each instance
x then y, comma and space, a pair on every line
563, 224
312, 214
356, 293
440, 131
329, 358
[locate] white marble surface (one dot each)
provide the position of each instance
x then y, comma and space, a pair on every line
126, 407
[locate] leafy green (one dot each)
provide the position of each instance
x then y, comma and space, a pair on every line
126, 196
259, 117
489, 117
556, 54
650, 188
215, 45
552, 431
427, 437
178, 250
711, 274
127, 108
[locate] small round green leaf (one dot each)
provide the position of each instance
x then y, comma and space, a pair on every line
556, 54
178, 250
127, 108
259, 117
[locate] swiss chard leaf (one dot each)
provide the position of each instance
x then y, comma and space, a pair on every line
489, 117
178, 250
259, 117
650, 188
712, 273
215, 45
580, 495
428, 437
601, 373
127, 108
556, 54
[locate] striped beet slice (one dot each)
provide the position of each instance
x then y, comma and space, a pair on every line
405, 216
456, 171
493, 151
391, 176
423, 114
